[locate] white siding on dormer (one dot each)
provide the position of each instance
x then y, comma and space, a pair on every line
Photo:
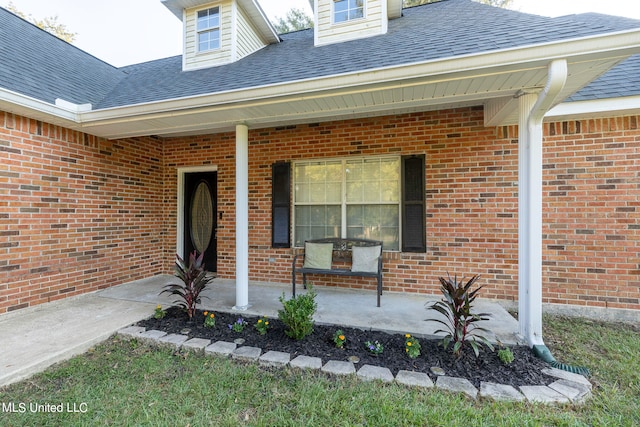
248, 40
327, 32
238, 36
192, 58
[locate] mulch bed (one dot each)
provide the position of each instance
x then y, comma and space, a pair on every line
525, 369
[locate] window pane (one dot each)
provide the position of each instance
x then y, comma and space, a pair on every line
340, 6
341, 16
209, 40
209, 18
377, 222
356, 13
317, 222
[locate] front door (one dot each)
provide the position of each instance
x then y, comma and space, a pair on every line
200, 219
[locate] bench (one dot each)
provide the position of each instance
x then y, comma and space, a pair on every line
319, 258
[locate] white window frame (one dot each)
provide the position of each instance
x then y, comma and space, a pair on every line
333, 12
211, 29
343, 196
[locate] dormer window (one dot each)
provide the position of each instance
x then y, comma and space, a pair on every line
209, 29
347, 10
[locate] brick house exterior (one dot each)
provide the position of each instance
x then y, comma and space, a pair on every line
101, 212
82, 212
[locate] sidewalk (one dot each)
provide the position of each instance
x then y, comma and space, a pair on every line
35, 338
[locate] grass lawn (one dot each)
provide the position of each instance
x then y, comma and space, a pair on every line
127, 384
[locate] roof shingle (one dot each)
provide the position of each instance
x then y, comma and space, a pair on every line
36, 64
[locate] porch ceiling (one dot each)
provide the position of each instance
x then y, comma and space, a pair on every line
497, 88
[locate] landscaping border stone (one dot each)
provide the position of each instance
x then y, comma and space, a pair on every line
567, 387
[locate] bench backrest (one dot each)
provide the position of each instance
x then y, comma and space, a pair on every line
342, 247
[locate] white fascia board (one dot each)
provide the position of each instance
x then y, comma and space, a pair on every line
260, 20
596, 107
619, 44
17, 103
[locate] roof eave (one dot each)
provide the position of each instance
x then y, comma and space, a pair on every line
186, 114
609, 107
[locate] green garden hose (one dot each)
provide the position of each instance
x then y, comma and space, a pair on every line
544, 353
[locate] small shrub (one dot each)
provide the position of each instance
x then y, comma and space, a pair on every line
412, 346
159, 313
374, 347
209, 320
506, 356
460, 320
297, 314
238, 325
262, 325
339, 339
194, 281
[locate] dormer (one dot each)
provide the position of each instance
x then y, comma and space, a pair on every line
337, 21
220, 31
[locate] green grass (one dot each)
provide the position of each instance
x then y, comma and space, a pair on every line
124, 383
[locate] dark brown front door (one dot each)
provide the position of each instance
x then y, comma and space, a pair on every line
200, 218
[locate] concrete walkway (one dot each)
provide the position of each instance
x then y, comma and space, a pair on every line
35, 338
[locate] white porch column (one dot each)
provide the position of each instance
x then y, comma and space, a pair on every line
529, 223
242, 217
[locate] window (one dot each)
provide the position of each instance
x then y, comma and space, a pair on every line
345, 10
208, 29
353, 198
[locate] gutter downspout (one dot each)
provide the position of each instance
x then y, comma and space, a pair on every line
533, 108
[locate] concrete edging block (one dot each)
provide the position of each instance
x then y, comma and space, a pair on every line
372, 373
415, 379
220, 348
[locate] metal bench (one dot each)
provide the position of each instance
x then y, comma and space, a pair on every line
342, 253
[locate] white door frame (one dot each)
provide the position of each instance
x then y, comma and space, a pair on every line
180, 205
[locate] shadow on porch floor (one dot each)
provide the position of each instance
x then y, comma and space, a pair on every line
399, 312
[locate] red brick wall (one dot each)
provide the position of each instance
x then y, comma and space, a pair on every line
77, 213
591, 237
592, 213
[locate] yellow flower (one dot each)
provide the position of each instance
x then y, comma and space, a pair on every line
206, 313
407, 350
408, 336
341, 337
212, 315
260, 321
408, 344
159, 307
266, 323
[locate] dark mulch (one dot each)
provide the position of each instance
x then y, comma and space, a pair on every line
525, 370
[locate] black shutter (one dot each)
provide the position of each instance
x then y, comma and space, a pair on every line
413, 204
281, 205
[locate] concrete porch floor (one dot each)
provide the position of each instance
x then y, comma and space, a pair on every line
35, 338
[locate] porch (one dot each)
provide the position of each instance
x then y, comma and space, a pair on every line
35, 338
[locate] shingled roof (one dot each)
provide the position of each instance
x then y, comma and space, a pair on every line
39, 65
36, 64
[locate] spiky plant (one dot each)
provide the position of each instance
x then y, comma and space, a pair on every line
194, 281
461, 322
